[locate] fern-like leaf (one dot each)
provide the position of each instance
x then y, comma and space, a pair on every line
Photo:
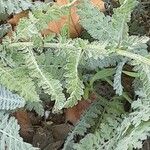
136, 127
5, 57
104, 134
49, 85
117, 78
8, 7
10, 101
9, 134
87, 121
120, 18
96, 50
17, 80
98, 26
53, 63
102, 27
142, 104
135, 138
92, 64
74, 84
36, 106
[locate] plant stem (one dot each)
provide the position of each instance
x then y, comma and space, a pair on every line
46, 45
125, 53
134, 56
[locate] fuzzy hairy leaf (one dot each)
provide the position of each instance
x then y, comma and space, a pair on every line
38, 19
73, 83
136, 127
117, 78
144, 74
10, 101
49, 85
142, 104
96, 50
98, 26
53, 63
36, 106
46, 13
104, 28
135, 138
119, 20
5, 57
137, 44
27, 29
105, 128
9, 134
8, 7
4, 28
17, 80
86, 121
93, 64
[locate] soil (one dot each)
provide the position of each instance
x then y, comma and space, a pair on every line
45, 133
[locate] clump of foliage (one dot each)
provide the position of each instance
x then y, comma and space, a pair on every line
58, 66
